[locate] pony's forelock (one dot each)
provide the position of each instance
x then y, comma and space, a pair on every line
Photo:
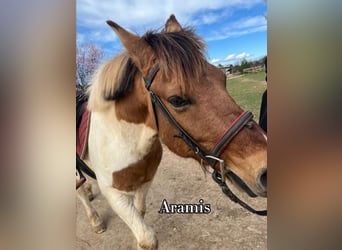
180, 55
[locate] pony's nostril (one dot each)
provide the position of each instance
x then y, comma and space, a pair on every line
262, 179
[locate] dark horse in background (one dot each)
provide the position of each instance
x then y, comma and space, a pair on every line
263, 106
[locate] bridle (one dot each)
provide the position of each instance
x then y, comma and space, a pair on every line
213, 157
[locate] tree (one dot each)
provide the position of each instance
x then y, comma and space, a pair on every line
244, 65
88, 57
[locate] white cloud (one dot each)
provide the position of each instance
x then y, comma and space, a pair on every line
255, 21
208, 18
239, 28
216, 60
243, 55
150, 13
231, 58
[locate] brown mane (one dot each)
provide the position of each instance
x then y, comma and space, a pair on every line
180, 55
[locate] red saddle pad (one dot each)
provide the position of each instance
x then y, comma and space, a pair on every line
82, 135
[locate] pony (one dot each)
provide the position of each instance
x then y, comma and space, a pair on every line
162, 89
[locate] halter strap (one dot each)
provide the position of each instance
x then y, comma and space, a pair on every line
244, 119
237, 125
148, 80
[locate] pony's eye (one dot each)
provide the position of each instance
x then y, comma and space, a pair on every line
178, 102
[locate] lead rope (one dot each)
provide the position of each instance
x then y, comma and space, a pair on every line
219, 178
226, 190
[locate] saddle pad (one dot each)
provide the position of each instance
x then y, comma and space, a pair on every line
82, 133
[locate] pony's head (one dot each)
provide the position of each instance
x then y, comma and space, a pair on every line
191, 89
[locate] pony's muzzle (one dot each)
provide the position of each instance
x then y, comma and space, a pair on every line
262, 180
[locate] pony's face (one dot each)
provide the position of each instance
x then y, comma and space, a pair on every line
206, 111
194, 92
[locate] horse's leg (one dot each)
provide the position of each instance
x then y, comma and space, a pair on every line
123, 205
140, 198
95, 220
89, 192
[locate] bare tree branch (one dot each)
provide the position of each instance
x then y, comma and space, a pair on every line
88, 57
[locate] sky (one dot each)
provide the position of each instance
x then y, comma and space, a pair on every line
232, 29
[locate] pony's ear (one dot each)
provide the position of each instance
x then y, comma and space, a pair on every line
172, 25
138, 49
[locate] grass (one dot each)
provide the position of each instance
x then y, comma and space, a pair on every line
247, 91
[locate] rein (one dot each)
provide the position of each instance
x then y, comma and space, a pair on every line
243, 120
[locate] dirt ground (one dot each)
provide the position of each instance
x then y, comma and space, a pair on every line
180, 180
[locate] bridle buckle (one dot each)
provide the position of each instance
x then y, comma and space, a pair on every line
223, 170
